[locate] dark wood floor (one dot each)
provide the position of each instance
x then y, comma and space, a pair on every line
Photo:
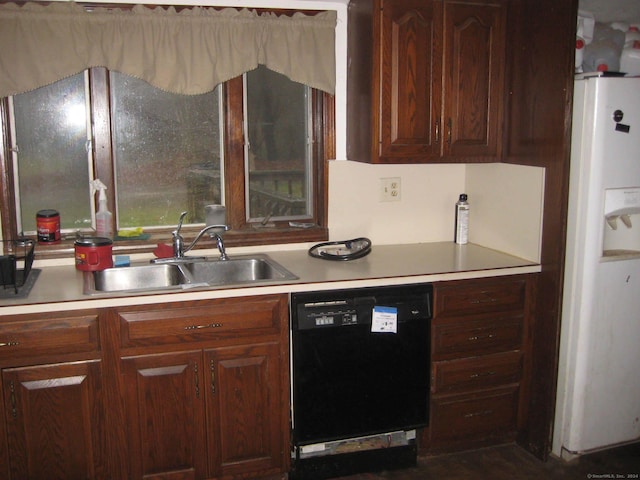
509, 462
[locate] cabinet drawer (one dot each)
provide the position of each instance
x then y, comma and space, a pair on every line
464, 338
480, 297
200, 321
475, 373
474, 417
49, 334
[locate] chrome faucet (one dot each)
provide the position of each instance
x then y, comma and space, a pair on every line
178, 242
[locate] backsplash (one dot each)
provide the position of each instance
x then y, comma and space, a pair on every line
506, 204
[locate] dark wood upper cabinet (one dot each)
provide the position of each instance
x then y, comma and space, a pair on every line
426, 80
474, 72
408, 72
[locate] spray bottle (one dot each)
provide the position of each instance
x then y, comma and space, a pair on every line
103, 216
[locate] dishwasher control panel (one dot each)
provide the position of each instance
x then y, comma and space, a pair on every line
342, 308
327, 314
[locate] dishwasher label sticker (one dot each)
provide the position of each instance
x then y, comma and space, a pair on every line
384, 320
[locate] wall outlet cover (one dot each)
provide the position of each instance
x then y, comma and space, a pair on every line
390, 189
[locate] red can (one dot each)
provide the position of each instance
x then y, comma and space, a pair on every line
48, 225
93, 253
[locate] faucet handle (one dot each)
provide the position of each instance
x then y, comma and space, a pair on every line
182, 215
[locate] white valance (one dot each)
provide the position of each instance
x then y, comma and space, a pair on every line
188, 51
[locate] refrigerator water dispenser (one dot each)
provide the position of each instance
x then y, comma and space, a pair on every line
622, 216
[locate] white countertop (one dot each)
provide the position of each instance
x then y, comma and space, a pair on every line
60, 287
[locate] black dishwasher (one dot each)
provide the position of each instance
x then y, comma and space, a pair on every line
360, 364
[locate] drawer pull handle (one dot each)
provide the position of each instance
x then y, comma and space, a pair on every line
195, 375
482, 374
200, 327
484, 300
481, 413
9, 344
212, 367
14, 408
481, 337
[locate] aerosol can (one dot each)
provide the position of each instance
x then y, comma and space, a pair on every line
461, 235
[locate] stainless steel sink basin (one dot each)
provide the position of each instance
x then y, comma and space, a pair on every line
143, 277
186, 274
237, 270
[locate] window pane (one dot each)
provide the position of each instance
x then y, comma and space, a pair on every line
279, 159
52, 159
167, 153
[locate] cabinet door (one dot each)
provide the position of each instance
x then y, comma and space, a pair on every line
54, 421
246, 425
474, 59
165, 407
409, 73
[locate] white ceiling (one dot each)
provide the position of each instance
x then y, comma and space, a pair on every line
607, 11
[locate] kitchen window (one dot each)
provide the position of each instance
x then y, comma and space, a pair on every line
257, 143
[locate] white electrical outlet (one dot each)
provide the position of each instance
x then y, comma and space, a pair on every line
390, 189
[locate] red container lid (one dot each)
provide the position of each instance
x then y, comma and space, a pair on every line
47, 213
93, 242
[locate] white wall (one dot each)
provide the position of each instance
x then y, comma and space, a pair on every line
423, 213
506, 204
507, 207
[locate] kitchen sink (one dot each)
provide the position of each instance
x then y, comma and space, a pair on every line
143, 277
186, 273
237, 270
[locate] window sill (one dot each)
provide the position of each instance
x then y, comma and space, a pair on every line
233, 238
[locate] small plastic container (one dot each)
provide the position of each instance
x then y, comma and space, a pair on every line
215, 214
48, 226
601, 57
630, 60
580, 44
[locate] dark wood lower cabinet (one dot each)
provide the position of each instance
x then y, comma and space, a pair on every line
54, 421
166, 415
205, 414
200, 390
480, 362
52, 414
178, 391
206, 388
485, 416
245, 407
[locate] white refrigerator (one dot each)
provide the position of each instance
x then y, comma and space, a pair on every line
598, 397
